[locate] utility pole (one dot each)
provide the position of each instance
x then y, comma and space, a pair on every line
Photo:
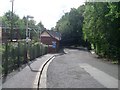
27, 37
27, 32
27, 29
11, 32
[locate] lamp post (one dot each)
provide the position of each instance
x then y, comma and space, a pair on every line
27, 37
11, 20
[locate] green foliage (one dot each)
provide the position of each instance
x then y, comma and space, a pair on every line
70, 26
97, 23
101, 28
16, 54
7, 18
40, 26
21, 24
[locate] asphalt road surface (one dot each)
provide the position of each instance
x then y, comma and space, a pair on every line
81, 69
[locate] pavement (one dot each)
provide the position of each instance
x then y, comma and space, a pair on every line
81, 69
29, 76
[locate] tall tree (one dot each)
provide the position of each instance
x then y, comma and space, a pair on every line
101, 28
70, 26
40, 26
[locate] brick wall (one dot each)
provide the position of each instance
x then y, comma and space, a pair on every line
48, 41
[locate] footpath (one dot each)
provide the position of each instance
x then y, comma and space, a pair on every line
29, 76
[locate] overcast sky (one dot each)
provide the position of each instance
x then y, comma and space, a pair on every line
47, 11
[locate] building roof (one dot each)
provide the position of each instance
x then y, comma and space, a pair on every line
54, 34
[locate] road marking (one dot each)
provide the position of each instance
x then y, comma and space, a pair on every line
44, 75
35, 83
102, 77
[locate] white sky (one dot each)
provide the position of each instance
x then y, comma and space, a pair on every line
47, 11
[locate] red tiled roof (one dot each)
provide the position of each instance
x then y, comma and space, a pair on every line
54, 34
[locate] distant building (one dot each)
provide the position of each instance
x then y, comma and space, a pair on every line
52, 39
5, 31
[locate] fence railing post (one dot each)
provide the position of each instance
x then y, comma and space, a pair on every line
6, 59
18, 63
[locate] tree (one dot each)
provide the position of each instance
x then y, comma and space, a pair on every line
40, 26
20, 24
101, 28
70, 26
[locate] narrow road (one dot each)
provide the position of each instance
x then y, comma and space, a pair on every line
81, 69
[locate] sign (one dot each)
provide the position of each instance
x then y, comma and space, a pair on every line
53, 44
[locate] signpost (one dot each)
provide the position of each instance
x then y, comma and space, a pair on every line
53, 44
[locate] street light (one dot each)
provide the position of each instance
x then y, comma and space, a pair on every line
27, 37
11, 19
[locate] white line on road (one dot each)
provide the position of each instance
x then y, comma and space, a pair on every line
102, 77
35, 83
44, 75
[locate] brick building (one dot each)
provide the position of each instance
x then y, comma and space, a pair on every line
52, 39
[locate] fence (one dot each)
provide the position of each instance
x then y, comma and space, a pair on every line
15, 54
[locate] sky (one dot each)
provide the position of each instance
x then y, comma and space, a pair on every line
46, 11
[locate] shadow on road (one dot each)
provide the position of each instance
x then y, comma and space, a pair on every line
78, 48
32, 68
61, 52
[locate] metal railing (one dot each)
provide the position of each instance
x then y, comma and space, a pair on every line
14, 54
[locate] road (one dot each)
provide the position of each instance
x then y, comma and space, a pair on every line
81, 69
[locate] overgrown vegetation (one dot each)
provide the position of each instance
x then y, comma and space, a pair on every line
97, 23
101, 28
14, 54
20, 24
70, 26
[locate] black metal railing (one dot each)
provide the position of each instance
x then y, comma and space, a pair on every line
15, 54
